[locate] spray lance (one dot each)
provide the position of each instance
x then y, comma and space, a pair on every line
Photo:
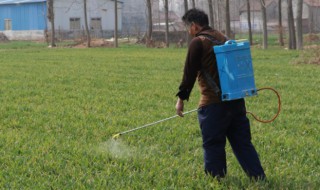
115, 136
234, 64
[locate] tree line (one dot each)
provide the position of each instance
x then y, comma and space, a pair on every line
295, 40
295, 34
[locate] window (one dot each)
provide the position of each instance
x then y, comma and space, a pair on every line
95, 24
7, 24
74, 23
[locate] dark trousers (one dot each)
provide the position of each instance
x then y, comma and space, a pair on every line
228, 120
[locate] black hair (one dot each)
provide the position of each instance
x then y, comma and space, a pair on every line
197, 16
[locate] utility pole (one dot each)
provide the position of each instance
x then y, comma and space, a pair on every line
228, 28
86, 23
187, 33
264, 24
115, 23
280, 24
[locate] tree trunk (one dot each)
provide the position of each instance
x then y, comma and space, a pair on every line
299, 25
280, 24
50, 17
116, 23
185, 10
149, 32
249, 22
310, 22
218, 23
86, 23
292, 37
193, 4
186, 5
211, 18
228, 28
166, 9
264, 23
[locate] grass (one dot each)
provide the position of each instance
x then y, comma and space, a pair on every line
273, 39
60, 107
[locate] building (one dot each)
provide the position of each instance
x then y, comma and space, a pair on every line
70, 22
312, 8
256, 15
134, 17
174, 22
310, 16
27, 19
23, 19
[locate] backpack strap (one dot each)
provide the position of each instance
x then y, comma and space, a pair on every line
212, 39
211, 82
206, 75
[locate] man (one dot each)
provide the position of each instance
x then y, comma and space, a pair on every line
218, 120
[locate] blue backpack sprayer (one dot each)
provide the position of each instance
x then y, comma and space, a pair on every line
236, 76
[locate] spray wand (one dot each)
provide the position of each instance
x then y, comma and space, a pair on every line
115, 136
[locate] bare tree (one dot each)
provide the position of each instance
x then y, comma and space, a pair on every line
299, 25
115, 23
149, 32
193, 4
50, 16
185, 10
292, 37
211, 18
217, 3
264, 24
166, 9
311, 20
86, 23
280, 24
186, 5
228, 28
249, 22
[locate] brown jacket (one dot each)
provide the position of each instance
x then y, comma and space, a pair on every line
200, 59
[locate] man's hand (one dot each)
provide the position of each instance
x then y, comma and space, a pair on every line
179, 107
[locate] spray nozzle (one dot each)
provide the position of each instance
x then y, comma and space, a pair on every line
116, 136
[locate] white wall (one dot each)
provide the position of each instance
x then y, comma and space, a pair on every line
134, 16
24, 34
256, 21
64, 10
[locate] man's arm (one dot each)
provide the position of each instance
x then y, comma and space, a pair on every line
191, 68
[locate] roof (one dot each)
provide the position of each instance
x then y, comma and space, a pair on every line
160, 17
255, 5
4, 2
313, 3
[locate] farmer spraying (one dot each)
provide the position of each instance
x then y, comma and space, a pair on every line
219, 120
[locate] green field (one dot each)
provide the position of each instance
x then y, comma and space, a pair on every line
60, 107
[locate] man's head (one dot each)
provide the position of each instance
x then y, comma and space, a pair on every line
195, 20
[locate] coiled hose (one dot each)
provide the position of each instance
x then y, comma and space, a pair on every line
279, 107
